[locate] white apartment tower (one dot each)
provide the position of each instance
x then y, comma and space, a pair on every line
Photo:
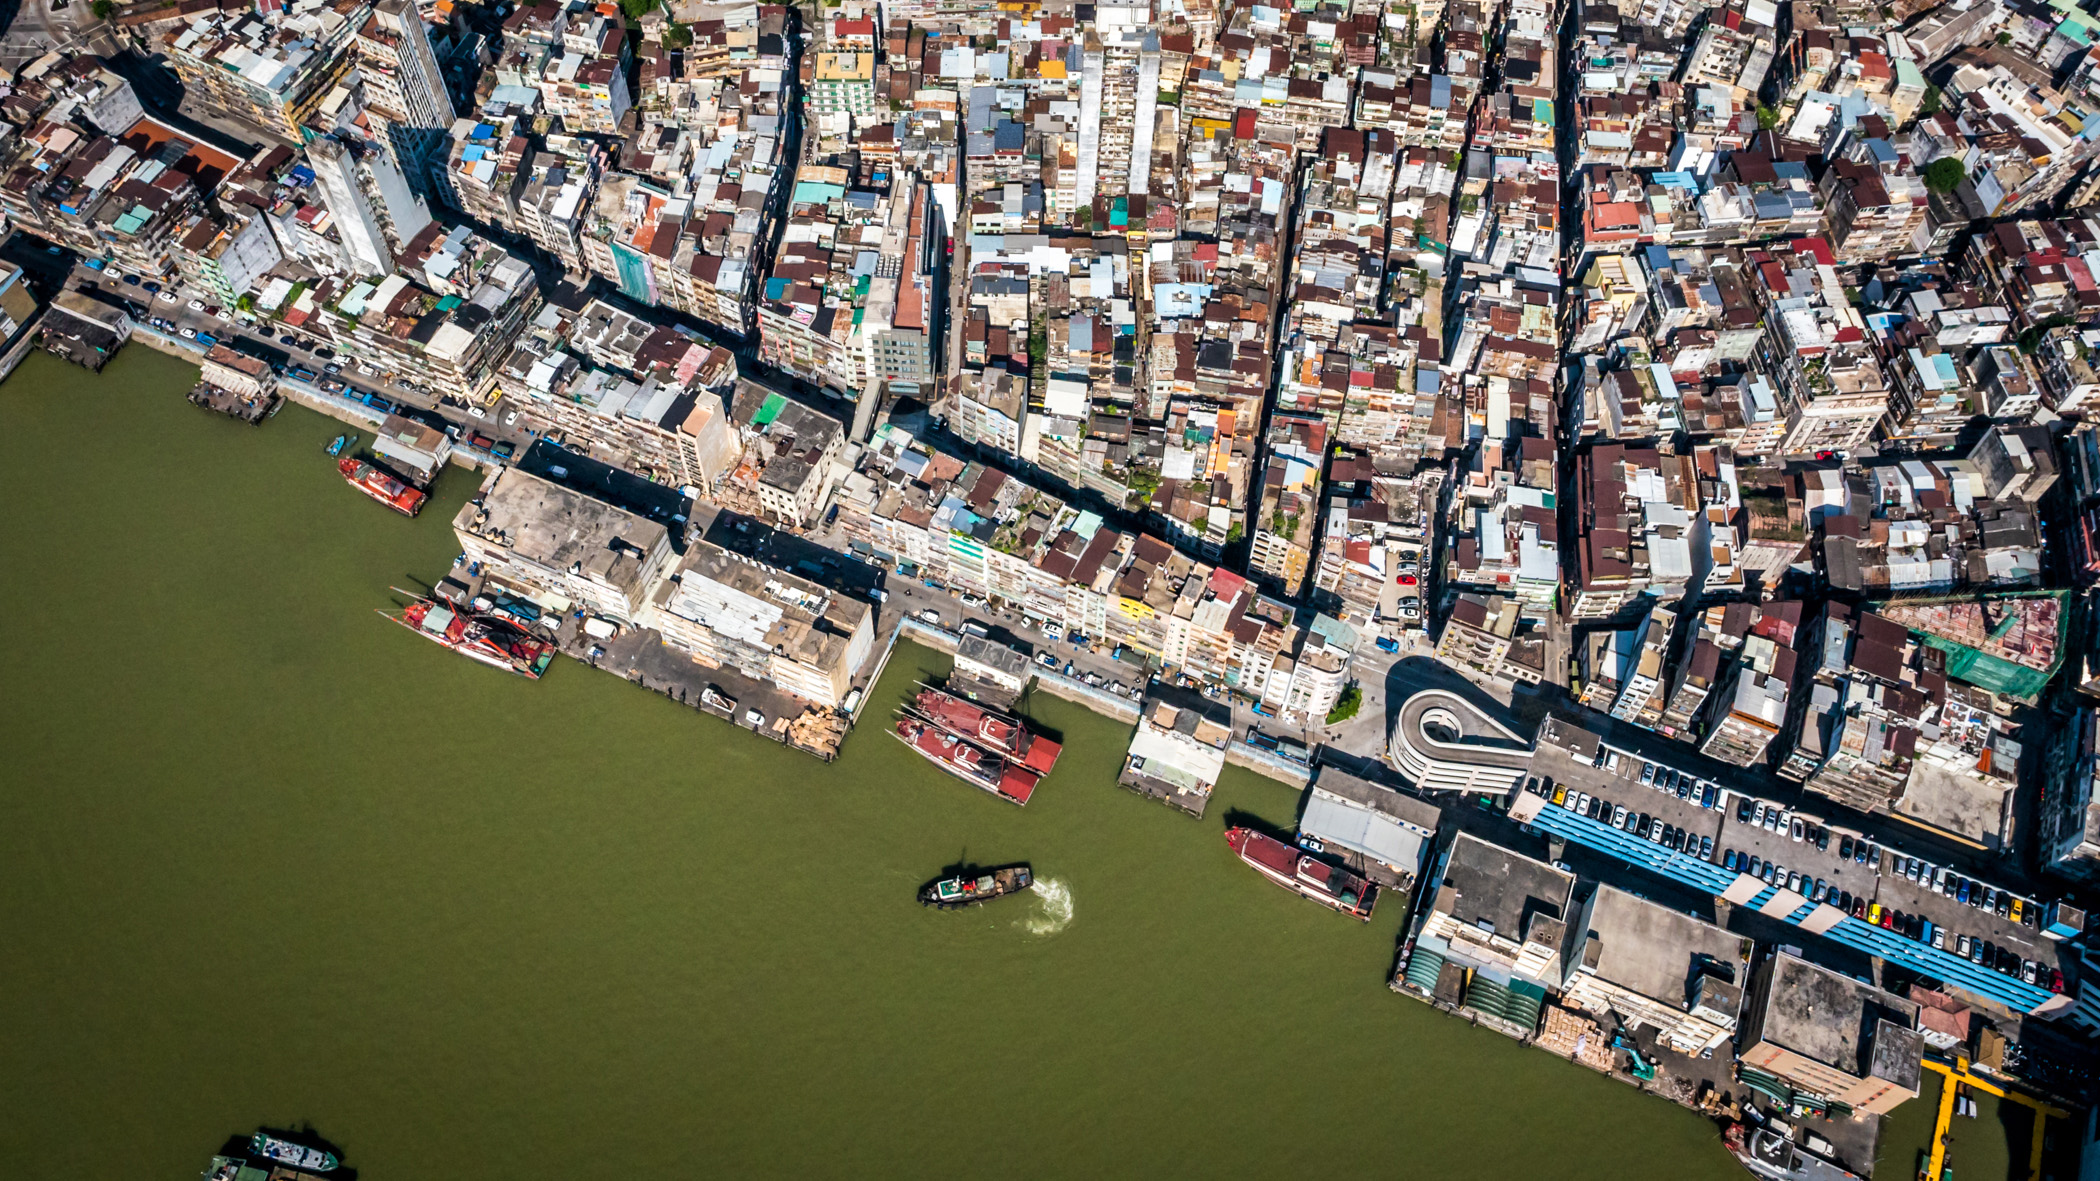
375, 214
405, 98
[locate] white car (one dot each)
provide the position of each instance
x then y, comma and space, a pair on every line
169, 297
510, 418
195, 305
187, 333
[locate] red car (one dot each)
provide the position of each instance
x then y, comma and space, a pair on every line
1405, 580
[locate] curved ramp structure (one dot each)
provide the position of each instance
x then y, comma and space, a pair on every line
1445, 743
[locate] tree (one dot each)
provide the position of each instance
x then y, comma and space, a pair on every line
1944, 175
677, 36
2005, 38
1767, 118
103, 9
1930, 104
1345, 706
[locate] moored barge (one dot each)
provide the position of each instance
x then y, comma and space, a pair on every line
382, 485
491, 641
966, 760
1001, 733
1295, 870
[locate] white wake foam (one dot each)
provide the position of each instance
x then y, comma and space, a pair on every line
1054, 900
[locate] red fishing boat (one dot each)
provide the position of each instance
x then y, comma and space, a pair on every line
988, 728
382, 485
1292, 869
491, 641
966, 760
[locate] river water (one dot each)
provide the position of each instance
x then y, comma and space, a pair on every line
266, 858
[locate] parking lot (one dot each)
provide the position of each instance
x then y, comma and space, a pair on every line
1799, 849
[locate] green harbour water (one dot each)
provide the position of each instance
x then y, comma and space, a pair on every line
268, 859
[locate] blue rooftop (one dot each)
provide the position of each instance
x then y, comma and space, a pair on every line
1849, 932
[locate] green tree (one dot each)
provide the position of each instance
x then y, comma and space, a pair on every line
636, 9
103, 9
1930, 104
1345, 706
677, 37
1767, 118
1944, 175
2005, 38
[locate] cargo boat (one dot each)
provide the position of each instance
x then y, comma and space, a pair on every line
969, 889
490, 641
284, 1152
381, 485
1292, 869
967, 761
1000, 733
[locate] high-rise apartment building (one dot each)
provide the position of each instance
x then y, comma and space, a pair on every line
405, 98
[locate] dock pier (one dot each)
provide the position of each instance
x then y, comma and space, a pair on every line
248, 408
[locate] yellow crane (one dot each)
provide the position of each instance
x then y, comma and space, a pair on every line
1959, 1075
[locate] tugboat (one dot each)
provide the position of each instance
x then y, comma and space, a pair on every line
1292, 869
284, 1152
969, 889
995, 731
381, 485
491, 641
966, 760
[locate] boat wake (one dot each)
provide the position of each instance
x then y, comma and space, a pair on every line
1056, 908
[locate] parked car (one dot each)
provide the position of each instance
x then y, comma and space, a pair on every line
196, 305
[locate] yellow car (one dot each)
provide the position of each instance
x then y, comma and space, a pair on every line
2014, 913
1560, 795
